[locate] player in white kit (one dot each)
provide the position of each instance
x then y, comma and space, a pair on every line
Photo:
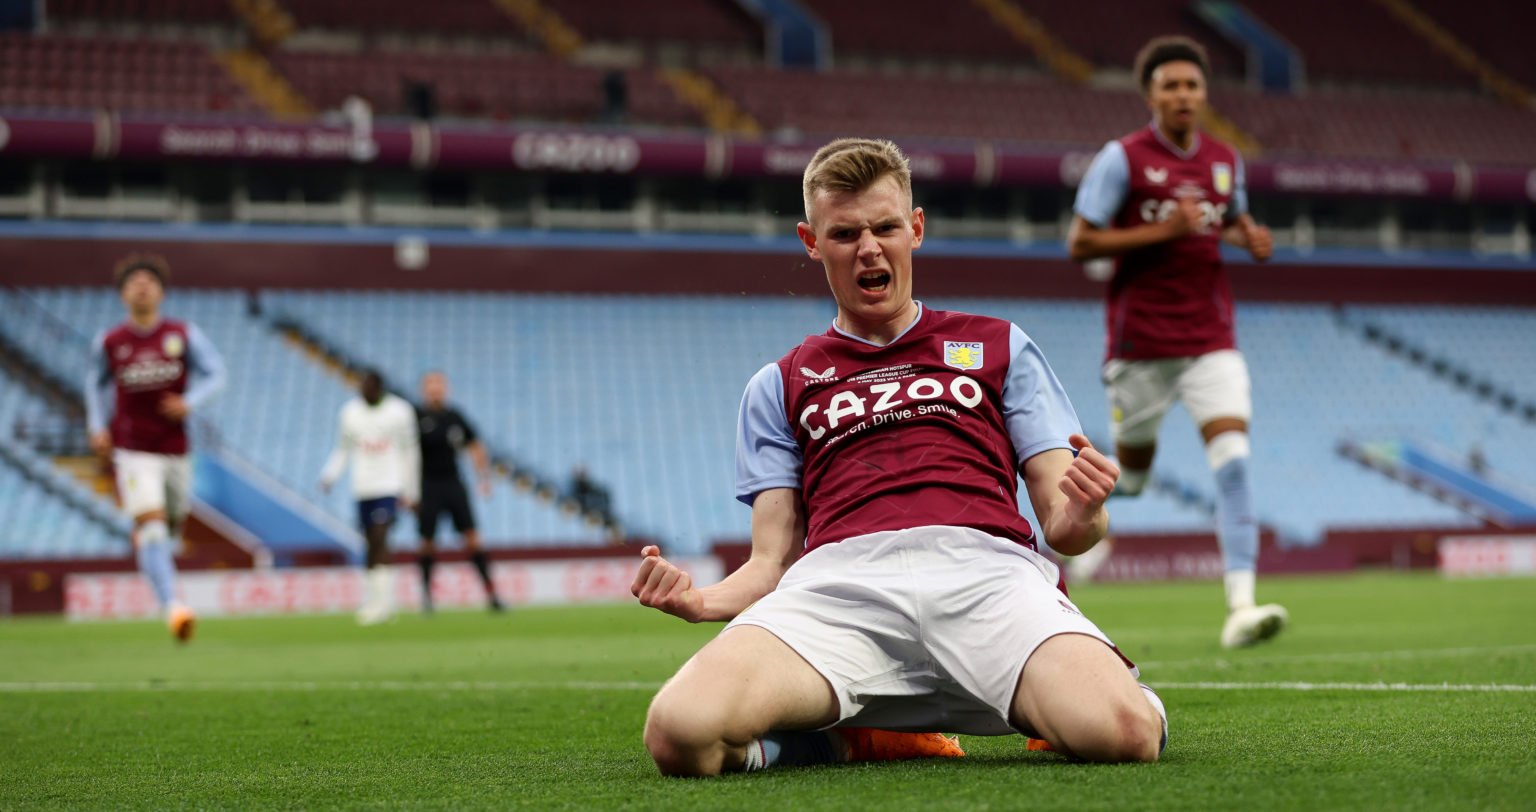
377, 434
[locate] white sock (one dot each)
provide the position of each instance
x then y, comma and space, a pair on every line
381, 583
1132, 483
756, 758
1240, 584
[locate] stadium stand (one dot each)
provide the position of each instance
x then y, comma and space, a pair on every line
465, 17
838, 102
536, 363
1359, 125
1081, 26
154, 11
63, 72
280, 408
878, 33
526, 87
1500, 31
1336, 52
713, 24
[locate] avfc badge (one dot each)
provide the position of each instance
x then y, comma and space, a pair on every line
963, 354
1221, 178
174, 345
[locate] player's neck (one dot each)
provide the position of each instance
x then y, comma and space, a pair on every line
146, 320
883, 332
1184, 140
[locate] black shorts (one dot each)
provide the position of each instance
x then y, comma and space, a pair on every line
443, 497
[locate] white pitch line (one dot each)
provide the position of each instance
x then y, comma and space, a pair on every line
1344, 686
1342, 656
400, 685
302, 686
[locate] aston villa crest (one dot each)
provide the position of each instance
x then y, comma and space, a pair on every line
1221, 178
963, 354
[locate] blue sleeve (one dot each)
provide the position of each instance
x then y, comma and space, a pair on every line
99, 400
1035, 406
767, 455
1239, 205
206, 367
1104, 186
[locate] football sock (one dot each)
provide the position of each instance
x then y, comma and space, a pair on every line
483, 566
155, 561
381, 583
426, 563
1237, 529
791, 748
1131, 482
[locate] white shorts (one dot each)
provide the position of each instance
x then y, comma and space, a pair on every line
1210, 386
147, 482
925, 629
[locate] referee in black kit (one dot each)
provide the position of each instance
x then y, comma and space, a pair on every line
444, 431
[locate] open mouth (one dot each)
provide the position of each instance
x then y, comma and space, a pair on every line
874, 280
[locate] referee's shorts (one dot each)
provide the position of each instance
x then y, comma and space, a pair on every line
439, 496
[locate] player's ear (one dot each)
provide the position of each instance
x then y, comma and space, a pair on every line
919, 221
808, 238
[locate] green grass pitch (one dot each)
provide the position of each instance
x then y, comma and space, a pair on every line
1366, 702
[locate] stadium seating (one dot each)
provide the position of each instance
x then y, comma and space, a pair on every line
1359, 43
1083, 25
1498, 31
643, 392
50, 515
57, 72
881, 32
279, 410
1486, 342
466, 17
155, 11
841, 102
1362, 125
710, 23
41, 524
599, 380
526, 87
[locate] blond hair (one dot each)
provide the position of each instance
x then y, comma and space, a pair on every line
853, 165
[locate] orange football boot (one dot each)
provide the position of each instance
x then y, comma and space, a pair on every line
181, 622
1039, 745
870, 744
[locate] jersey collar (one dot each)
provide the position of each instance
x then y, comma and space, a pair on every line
915, 319
1194, 143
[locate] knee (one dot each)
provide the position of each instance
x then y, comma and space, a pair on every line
681, 738
1125, 732
1133, 731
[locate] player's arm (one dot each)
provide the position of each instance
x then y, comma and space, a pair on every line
337, 461
778, 534
1068, 494
1242, 232
208, 375
410, 453
1099, 198
768, 463
477, 457
98, 397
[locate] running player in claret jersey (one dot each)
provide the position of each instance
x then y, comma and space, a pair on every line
148, 376
377, 435
1161, 201
888, 451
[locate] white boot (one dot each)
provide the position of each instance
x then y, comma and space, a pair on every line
1253, 624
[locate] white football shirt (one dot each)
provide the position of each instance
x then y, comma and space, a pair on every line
382, 444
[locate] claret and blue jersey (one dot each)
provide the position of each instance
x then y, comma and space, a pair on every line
1171, 299
930, 429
